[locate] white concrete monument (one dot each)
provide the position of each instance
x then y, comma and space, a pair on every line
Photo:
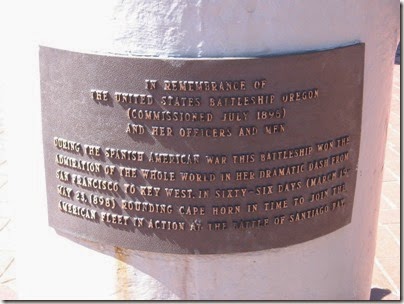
336, 266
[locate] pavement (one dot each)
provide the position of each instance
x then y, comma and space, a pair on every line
386, 274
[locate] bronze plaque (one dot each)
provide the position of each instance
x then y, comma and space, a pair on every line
201, 156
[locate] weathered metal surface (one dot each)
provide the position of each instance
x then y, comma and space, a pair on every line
201, 156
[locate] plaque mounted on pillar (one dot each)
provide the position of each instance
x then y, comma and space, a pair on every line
201, 156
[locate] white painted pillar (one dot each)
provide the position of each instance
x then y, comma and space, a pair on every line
335, 266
